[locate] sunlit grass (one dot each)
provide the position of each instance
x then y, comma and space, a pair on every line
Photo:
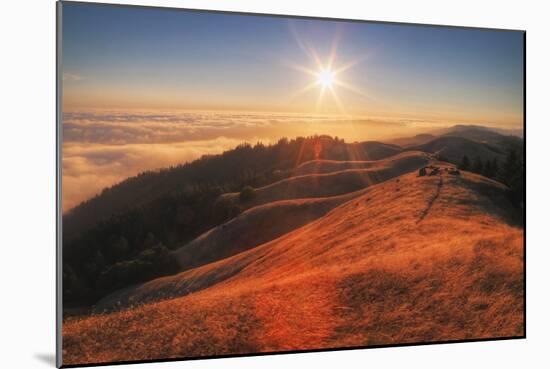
370, 272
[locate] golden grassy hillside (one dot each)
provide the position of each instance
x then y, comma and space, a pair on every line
403, 162
323, 178
256, 226
412, 259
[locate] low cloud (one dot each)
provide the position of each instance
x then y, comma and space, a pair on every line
89, 168
101, 148
144, 127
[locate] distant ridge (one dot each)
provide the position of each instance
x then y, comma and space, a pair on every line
453, 148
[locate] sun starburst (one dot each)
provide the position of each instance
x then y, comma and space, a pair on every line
326, 76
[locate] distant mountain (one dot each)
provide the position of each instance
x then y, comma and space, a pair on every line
473, 141
518, 132
372, 150
453, 148
420, 139
502, 138
485, 135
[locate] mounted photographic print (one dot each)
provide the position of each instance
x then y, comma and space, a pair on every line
243, 184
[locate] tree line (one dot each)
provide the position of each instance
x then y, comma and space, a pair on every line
163, 210
137, 223
510, 172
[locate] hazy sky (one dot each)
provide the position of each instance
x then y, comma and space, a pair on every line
128, 57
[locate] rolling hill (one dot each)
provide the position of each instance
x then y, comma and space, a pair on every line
483, 134
125, 235
411, 259
261, 165
419, 139
257, 165
322, 178
310, 200
474, 141
400, 161
254, 227
453, 148
372, 150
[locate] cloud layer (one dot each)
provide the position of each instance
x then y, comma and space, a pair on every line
88, 168
101, 148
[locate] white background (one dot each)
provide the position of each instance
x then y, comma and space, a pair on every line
27, 182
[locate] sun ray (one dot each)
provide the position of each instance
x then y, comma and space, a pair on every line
351, 64
307, 88
333, 51
338, 102
326, 74
298, 40
352, 88
299, 68
320, 98
316, 59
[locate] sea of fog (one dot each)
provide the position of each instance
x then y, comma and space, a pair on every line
101, 148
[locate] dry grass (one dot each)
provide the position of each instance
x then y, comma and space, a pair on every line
390, 266
323, 178
405, 160
256, 226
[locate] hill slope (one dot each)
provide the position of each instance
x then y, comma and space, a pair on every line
454, 142
454, 148
245, 164
403, 162
413, 141
120, 237
489, 135
275, 216
322, 178
413, 259
372, 150
254, 227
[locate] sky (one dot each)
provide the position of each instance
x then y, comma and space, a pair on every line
145, 88
131, 57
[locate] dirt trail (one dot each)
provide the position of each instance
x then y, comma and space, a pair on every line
432, 200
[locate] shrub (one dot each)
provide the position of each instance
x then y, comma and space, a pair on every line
247, 194
150, 263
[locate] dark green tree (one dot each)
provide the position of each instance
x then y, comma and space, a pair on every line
490, 168
509, 168
512, 174
478, 165
465, 163
495, 168
247, 194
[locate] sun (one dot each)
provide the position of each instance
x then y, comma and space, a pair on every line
325, 78
327, 74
